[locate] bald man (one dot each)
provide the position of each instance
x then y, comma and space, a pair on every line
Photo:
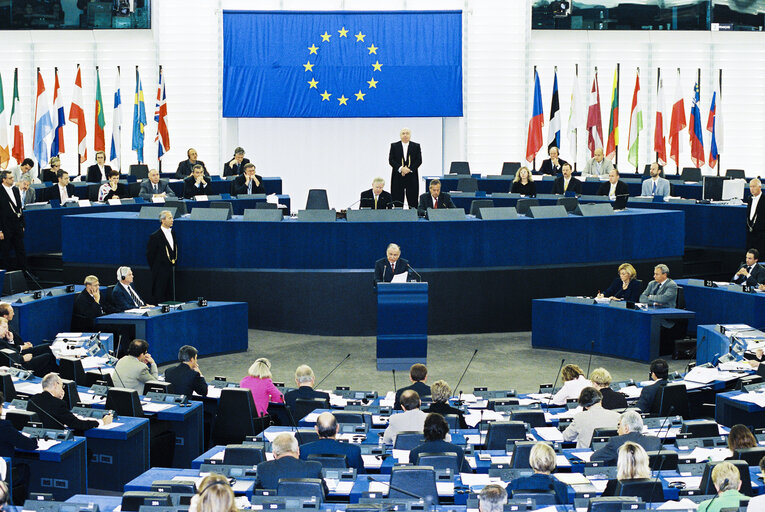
598, 165
405, 158
327, 428
390, 265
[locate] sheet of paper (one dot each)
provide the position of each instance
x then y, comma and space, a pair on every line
135, 311
213, 392
754, 398
471, 479
572, 478
196, 479
380, 487
585, 456
561, 461
242, 486
549, 433
630, 391
378, 419
713, 454
473, 438
219, 455
110, 426
371, 461
46, 444
401, 455
684, 503
445, 488
91, 362
342, 487
400, 278
156, 407
600, 485
28, 388
311, 417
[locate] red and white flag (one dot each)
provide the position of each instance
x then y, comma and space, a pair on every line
16, 131
594, 121
659, 138
677, 123
77, 116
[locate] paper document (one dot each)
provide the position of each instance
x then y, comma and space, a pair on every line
400, 278
684, 503
156, 407
471, 479
754, 398
110, 426
713, 454
585, 456
46, 444
135, 311
213, 392
380, 487
371, 461
339, 486
28, 388
572, 478
401, 455
549, 433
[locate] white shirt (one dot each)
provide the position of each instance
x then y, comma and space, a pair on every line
612, 190
755, 201
168, 232
405, 147
435, 200
62, 192
133, 293
9, 191
103, 172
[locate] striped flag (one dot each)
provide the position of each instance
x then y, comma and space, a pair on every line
99, 143
17, 151
613, 121
139, 118
537, 121
5, 150
57, 147
553, 133
659, 139
116, 146
43, 123
594, 121
77, 116
715, 126
676, 123
636, 125
573, 119
160, 116
695, 132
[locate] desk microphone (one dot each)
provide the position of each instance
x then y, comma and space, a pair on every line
333, 369
35, 281
394, 380
393, 204
427, 499
592, 350
658, 454
563, 360
353, 204
465, 371
415, 272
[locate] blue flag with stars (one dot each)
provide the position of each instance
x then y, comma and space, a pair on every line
342, 64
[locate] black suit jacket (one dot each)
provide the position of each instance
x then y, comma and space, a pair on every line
443, 408
613, 399
94, 173
756, 275
122, 191
186, 380
421, 388
268, 473
648, 395
10, 221
631, 294
367, 200
159, 255
426, 201
610, 452
85, 311
10, 439
621, 188
383, 272
303, 393
441, 447
758, 224
574, 185
53, 194
236, 170
239, 186
547, 167
185, 168
54, 413
190, 189
413, 159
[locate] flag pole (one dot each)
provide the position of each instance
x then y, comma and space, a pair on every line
677, 164
637, 158
34, 124
698, 81
534, 162
79, 156
119, 156
576, 130
616, 117
719, 98
658, 89
159, 141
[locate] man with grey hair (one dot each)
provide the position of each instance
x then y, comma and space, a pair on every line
405, 158
153, 187
662, 291
235, 166
755, 217
630, 428
87, 306
124, 297
162, 256
286, 464
187, 378
53, 411
304, 378
376, 198
492, 498
390, 265
28, 194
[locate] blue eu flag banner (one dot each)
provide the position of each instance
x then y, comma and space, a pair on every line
342, 64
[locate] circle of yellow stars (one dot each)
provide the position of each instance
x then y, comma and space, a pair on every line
314, 50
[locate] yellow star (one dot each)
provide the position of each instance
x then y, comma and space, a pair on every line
372, 49
343, 100
377, 66
325, 37
372, 84
325, 96
312, 49
360, 96
312, 83
343, 32
308, 66
360, 37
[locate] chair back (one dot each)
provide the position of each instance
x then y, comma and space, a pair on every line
510, 168
330, 460
354, 417
501, 431
71, 395
124, 402
752, 456
157, 386
71, 368
523, 206
477, 204
691, 174
534, 418
736, 173
418, 480
243, 455
301, 487
700, 428
453, 420
14, 282
646, 489
570, 203
459, 168
707, 486
467, 185
672, 397
440, 460
140, 171
605, 432
610, 503
540, 497
305, 406
179, 205
317, 199
660, 460
234, 417
408, 440
20, 418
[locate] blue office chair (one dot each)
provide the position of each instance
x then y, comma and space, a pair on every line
317, 199
441, 460
501, 431
510, 168
234, 417
354, 417
305, 406
540, 497
329, 460
459, 168
301, 487
535, 418
243, 455
707, 486
751, 456
644, 488
418, 480
666, 459
408, 440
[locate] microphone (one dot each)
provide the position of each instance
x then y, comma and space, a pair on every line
465, 371
385, 268
333, 369
35, 281
402, 491
413, 270
556, 381
592, 349
663, 457
294, 424
354, 204
394, 380
37, 408
393, 204
723, 488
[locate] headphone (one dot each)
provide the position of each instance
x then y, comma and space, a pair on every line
122, 273
211, 484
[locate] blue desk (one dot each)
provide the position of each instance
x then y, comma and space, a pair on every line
219, 186
723, 306
625, 333
218, 328
119, 454
402, 325
105, 503
710, 344
45, 317
730, 412
60, 470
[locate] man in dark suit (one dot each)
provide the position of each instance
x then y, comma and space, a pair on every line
405, 158
196, 184
755, 217
418, 374
286, 464
376, 198
187, 378
11, 223
630, 429
87, 306
63, 191
750, 272
99, 171
659, 373
186, 167
153, 187
391, 265
235, 166
614, 187
327, 428
304, 378
162, 256
123, 295
552, 165
567, 183
37, 359
10, 440
248, 182
52, 410
434, 198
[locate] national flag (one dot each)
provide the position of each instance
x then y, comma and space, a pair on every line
43, 123
594, 121
573, 119
57, 146
695, 132
715, 126
116, 145
77, 116
659, 139
5, 150
537, 121
160, 116
613, 121
139, 118
676, 123
17, 151
99, 143
636, 125
553, 133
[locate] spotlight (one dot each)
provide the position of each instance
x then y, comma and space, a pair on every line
560, 8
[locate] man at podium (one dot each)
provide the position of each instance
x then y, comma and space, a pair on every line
391, 265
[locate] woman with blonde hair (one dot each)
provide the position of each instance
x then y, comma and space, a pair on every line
258, 381
523, 183
574, 382
214, 495
633, 464
625, 287
440, 392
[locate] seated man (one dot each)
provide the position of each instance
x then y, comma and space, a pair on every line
235, 166
593, 416
434, 198
655, 185
630, 429
39, 360
112, 189
304, 378
196, 184
153, 186
727, 480
614, 187
659, 373
411, 420
124, 297
376, 198
27, 193
552, 165
87, 306
567, 183
286, 464
435, 430
248, 182
25, 168
492, 498
327, 428
597, 165
750, 272
187, 378
186, 167
662, 291
418, 375
391, 265
136, 368
53, 411
63, 191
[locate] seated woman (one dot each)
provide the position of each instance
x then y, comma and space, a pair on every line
542, 461
214, 495
624, 287
740, 437
441, 392
434, 431
574, 382
259, 382
632, 464
523, 183
112, 189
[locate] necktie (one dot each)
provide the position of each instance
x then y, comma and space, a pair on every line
435, 203
565, 185
393, 268
156, 189
138, 302
375, 202
249, 187
653, 192
64, 195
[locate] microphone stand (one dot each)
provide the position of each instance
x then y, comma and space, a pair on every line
556, 382
663, 457
413, 270
464, 372
333, 369
592, 350
398, 489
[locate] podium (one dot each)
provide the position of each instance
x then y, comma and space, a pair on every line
402, 325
